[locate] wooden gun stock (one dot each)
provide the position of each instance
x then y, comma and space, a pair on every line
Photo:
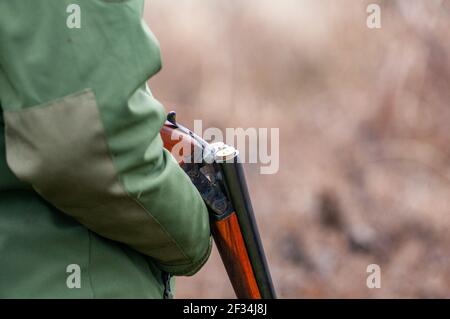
222, 186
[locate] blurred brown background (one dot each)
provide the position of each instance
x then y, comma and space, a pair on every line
364, 134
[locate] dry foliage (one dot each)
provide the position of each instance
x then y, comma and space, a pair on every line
365, 137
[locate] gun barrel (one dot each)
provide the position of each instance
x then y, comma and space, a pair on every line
234, 176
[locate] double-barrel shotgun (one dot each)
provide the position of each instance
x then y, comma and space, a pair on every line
217, 172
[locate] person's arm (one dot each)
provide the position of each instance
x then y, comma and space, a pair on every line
82, 128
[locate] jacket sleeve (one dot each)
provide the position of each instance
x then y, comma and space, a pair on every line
82, 128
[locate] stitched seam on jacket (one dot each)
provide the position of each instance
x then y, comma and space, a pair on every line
51, 103
90, 262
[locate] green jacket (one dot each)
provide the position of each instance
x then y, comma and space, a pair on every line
84, 178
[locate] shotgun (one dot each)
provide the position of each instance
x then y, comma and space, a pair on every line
216, 171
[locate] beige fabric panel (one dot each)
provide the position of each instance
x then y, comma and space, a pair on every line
57, 147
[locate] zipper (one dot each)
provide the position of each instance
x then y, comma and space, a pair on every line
167, 289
